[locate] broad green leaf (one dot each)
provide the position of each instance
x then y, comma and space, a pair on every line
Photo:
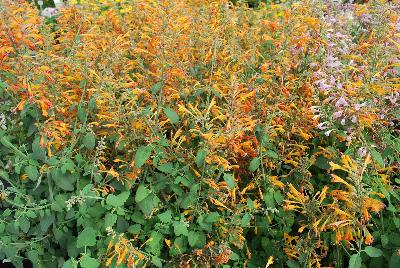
24, 224
110, 220
172, 115
39, 153
272, 154
32, 172
165, 217
147, 205
377, 157
155, 243
141, 193
254, 164
86, 238
166, 167
156, 261
355, 261
200, 157
71, 263
373, 252
212, 217
89, 262
63, 181
193, 238
180, 228
156, 88
230, 181
117, 200
89, 141
142, 154
134, 229
246, 220
82, 115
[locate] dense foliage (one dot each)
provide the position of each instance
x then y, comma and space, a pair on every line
200, 134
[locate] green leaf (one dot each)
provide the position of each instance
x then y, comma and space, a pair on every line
134, 229
166, 216
200, 157
39, 153
24, 224
156, 261
86, 238
110, 220
117, 200
89, 141
246, 220
172, 115
156, 88
230, 182
89, 262
254, 164
166, 168
272, 154
141, 193
193, 238
373, 252
147, 205
278, 197
32, 172
2, 227
71, 263
63, 181
180, 228
142, 154
377, 157
82, 115
355, 261
212, 217
155, 243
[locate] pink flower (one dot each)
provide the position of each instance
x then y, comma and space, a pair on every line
341, 102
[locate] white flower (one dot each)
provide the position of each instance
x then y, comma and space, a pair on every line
328, 132
3, 121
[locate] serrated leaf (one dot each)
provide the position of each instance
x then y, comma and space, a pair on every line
166, 167
110, 220
141, 193
24, 224
165, 217
86, 238
89, 141
172, 115
142, 154
180, 228
89, 262
32, 172
117, 200
373, 252
254, 164
155, 243
193, 238
230, 181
